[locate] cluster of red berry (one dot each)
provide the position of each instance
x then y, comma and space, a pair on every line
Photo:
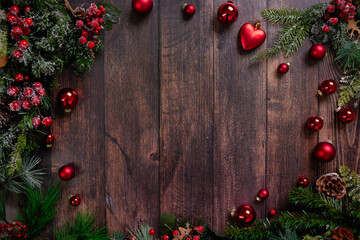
199, 229
13, 230
92, 27
338, 9
21, 28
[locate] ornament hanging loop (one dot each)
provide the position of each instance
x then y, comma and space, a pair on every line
257, 24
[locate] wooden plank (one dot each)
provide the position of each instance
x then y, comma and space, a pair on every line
186, 131
291, 100
132, 119
239, 117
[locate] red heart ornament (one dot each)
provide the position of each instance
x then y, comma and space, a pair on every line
251, 37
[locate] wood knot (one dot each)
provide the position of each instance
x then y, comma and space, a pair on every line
155, 156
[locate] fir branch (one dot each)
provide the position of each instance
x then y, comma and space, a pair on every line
38, 209
258, 231
305, 221
84, 227
281, 16
352, 180
142, 232
314, 12
351, 90
284, 234
348, 56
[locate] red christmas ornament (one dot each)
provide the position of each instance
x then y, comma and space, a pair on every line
315, 123
50, 140
303, 181
262, 194
228, 13
283, 68
328, 87
152, 231
189, 9
67, 99
67, 172
324, 152
245, 215
317, 51
251, 36
75, 201
346, 115
142, 6
272, 212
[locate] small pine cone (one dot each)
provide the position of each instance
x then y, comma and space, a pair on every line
332, 185
79, 13
342, 233
5, 112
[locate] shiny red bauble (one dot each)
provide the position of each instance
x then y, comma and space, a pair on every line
228, 13
283, 68
142, 6
49, 140
152, 231
272, 212
245, 215
315, 123
189, 9
66, 172
328, 87
346, 115
324, 152
262, 194
303, 181
317, 51
67, 98
251, 36
75, 201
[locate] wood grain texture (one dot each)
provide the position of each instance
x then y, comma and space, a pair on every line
132, 119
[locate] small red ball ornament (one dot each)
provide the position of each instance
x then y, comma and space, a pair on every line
67, 99
262, 195
303, 182
165, 237
272, 212
346, 115
75, 201
317, 51
189, 9
245, 215
327, 87
228, 13
142, 6
324, 152
315, 123
251, 36
49, 140
152, 232
67, 172
283, 68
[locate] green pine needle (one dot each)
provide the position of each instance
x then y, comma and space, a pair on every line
348, 56
281, 16
142, 232
258, 231
352, 180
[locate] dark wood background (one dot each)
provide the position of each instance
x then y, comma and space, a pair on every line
174, 118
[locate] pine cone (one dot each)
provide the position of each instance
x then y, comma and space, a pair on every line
342, 233
332, 185
5, 112
79, 13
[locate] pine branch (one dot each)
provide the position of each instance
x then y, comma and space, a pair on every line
259, 231
314, 12
84, 227
348, 56
284, 234
352, 180
305, 221
142, 232
351, 90
281, 16
38, 209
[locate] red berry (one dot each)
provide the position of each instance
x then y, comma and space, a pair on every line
26, 78
36, 122
331, 8
41, 92
12, 19
17, 54
82, 40
26, 31
15, 10
152, 231
15, 106
35, 101
327, 16
334, 21
17, 31
341, 15
47, 122
28, 22
101, 20
19, 77
84, 33
199, 229
94, 24
90, 44
37, 85
196, 237
165, 237
189, 10
96, 32
23, 45
272, 212
79, 23
13, 91
26, 105
351, 17
27, 9
325, 28
176, 233
28, 92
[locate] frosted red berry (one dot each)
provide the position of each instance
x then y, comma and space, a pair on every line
165, 237
28, 22
196, 237
36, 122
82, 40
199, 229
331, 8
15, 10
17, 54
334, 20
15, 106
35, 101
28, 92
23, 44
79, 23
19, 77
176, 233
27, 9
17, 31
26, 31
41, 92
47, 122
325, 28
90, 44
26, 105
12, 19
37, 85
13, 91
152, 231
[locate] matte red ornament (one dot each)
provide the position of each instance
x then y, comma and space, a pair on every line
228, 13
346, 115
49, 140
283, 68
66, 172
245, 215
315, 123
142, 6
262, 194
324, 152
67, 99
328, 87
272, 212
75, 201
189, 9
303, 182
251, 36
317, 51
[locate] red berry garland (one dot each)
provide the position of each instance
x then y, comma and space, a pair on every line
14, 230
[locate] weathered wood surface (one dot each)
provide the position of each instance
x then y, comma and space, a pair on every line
175, 118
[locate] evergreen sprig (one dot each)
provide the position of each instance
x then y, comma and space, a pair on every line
258, 231
348, 56
350, 90
142, 232
303, 220
281, 16
352, 180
